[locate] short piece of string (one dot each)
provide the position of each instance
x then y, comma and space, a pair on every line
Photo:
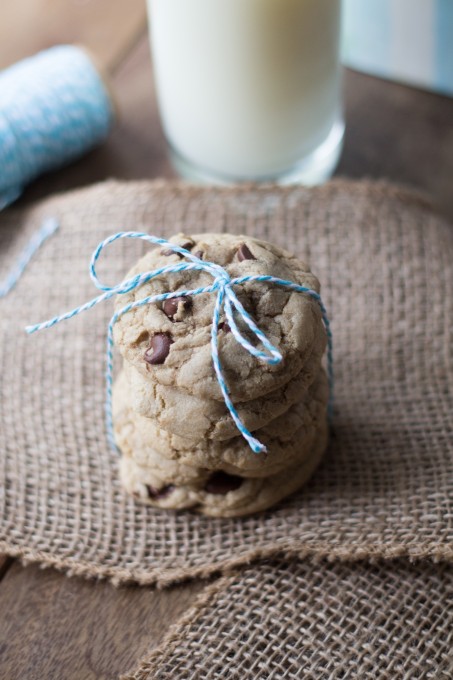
48, 227
226, 301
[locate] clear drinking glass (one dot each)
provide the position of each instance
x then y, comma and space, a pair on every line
249, 90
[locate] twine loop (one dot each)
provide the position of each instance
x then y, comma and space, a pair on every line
227, 301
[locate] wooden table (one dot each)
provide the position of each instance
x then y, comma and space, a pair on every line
52, 626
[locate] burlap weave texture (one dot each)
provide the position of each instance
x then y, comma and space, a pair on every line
304, 621
385, 490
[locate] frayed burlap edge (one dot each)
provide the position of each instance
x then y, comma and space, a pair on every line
162, 578
366, 186
176, 630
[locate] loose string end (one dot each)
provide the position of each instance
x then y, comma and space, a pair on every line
255, 445
49, 226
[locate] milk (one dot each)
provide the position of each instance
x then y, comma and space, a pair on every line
248, 89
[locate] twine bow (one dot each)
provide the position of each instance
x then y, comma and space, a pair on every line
223, 285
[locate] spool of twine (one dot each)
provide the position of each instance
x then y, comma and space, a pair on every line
54, 107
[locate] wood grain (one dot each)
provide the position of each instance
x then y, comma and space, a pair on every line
400, 134
107, 27
5, 563
61, 628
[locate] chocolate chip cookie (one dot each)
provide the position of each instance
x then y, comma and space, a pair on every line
288, 439
219, 494
178, 411
169, 342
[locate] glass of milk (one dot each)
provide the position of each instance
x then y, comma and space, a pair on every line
249, 90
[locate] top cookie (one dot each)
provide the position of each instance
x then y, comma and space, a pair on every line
169, 342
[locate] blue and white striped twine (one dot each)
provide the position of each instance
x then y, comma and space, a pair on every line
226, 300
54, 107
48, 227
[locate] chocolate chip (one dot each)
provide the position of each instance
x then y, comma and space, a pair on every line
187, 245
159, 347
221, 483
244, 253
170, 306
224, 326
156, 494
199, 254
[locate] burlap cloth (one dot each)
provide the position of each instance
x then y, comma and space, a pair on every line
385, 488
308, 621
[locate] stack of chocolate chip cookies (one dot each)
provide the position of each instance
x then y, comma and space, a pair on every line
180, 446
